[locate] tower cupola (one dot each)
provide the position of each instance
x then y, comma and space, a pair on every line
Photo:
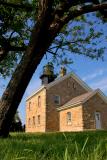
48, 74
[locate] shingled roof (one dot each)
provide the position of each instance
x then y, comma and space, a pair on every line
82, 99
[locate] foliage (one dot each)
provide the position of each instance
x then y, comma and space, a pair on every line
15, 29
55, 146
81, 37
47, 19
14, 35
16, 125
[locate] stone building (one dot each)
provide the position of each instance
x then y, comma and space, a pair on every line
65, 103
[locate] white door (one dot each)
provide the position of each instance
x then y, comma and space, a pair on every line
98, 120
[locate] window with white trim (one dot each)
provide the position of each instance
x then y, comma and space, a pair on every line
69, 118
57, 99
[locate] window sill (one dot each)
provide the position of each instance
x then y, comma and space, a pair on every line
69, 124
38, 125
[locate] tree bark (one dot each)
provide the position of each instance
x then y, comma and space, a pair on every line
19, 81
42, 36
41, 39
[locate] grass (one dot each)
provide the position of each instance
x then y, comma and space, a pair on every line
55, 146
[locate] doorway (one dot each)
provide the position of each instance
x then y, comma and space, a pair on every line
98, 120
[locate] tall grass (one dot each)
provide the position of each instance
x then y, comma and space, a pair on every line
55, 146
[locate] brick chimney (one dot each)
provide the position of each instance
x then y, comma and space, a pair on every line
63, 71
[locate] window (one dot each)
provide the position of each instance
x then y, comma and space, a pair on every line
38, 119
68, 117
29, 106
57, 99
74, 86
33, 120
45, 80
68, 84
39, 101
29, 122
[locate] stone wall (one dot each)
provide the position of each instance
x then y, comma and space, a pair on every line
94, 104
35, 111
67, 89
76, 119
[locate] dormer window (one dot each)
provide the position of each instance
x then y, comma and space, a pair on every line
57, 99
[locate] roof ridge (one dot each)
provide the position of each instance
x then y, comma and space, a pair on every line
99, 92
37, 90
76, 101
76, 77
59, 79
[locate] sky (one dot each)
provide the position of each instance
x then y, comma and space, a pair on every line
93, 72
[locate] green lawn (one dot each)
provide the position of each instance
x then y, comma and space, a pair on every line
55, 146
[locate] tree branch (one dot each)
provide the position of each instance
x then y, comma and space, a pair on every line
45, 6
4, 51
51, 52
17, 49
73, 14
59, 22
26, 7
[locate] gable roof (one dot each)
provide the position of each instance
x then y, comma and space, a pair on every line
34, 93
74, 76
60, 79
82, 99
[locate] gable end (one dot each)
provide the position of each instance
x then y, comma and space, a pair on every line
72, 75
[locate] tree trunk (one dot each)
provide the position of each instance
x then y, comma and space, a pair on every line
44, 32
41, 40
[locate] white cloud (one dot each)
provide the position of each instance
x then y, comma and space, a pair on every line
95, 74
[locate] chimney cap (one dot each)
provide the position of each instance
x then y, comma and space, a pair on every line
63, 71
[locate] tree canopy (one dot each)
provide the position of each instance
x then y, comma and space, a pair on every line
56, 27
14, 31
17, 19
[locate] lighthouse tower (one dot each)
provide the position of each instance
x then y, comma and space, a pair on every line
48, 74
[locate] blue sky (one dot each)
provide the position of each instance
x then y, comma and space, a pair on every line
93, 72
